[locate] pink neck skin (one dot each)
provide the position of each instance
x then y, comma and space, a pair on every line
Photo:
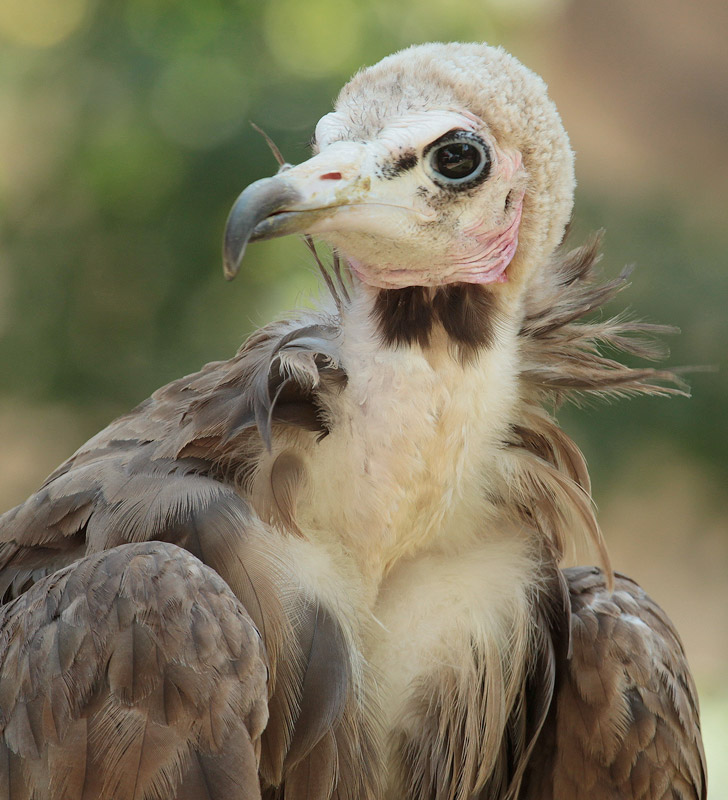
485, 260
488, 262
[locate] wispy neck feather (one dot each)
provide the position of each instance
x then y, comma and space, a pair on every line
546, 482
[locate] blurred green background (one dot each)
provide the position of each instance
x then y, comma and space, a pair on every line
125, 137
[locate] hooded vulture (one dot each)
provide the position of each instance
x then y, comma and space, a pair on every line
333, 566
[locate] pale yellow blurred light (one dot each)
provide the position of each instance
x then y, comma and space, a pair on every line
314, 38
37, 131
41, 23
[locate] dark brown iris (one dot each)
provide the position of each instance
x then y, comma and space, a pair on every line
457, 160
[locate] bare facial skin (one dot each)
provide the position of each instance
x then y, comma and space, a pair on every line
384, 206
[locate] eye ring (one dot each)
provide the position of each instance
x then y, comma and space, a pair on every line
458, 160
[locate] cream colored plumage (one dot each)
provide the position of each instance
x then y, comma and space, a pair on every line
377, 489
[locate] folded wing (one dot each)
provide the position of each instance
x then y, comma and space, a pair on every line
624, 720
133, 673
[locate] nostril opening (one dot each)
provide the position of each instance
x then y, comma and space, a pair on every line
331, 176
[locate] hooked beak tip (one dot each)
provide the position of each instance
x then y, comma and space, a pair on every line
254, 205
233, 252
229, 271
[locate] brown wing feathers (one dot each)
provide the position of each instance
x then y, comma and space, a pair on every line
159, 473
277, 377
624, 721
155, 468
143, 660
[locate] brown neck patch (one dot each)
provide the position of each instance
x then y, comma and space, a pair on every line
466, 311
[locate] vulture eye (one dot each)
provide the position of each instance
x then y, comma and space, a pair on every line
458, 159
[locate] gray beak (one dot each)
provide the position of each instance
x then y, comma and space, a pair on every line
255, 216
330, 192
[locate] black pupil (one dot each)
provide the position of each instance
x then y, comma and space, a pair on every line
457, 160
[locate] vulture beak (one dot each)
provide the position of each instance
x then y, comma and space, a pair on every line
258, 213
331, 191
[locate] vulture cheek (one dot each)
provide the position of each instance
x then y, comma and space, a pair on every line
485, 253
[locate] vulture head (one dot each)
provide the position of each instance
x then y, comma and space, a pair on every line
442, 164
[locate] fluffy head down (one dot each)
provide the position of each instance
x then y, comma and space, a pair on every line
493, 86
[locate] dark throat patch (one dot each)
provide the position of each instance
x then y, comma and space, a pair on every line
466, 311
